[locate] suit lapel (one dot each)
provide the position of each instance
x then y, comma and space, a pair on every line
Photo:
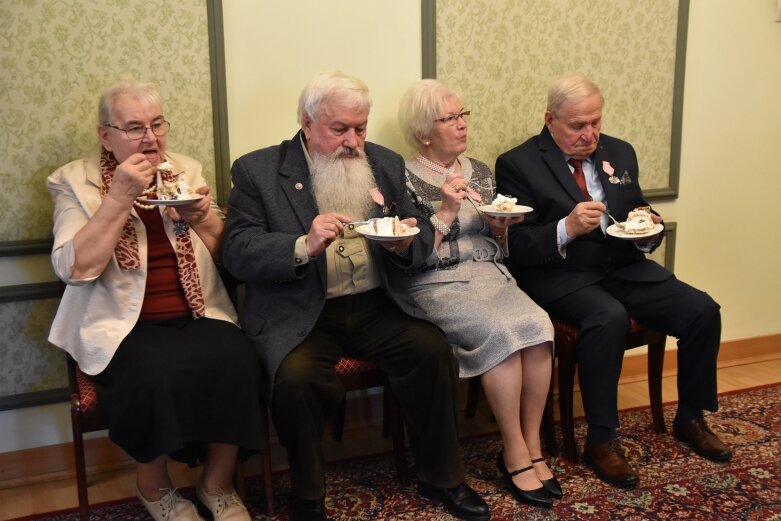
294, 179
554, 158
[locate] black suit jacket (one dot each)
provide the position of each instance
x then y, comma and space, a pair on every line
270, 206
537, 174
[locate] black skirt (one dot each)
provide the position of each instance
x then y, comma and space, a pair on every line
176, 385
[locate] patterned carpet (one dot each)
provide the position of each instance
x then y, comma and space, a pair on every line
675, 483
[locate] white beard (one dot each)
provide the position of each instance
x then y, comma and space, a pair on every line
343, 184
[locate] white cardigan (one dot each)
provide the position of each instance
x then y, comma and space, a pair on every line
96, 314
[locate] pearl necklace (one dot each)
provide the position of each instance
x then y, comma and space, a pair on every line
445, 170
141, 205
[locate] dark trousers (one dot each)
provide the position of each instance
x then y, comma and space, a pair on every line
420, 365
602, 313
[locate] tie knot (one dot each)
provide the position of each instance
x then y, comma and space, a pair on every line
576, 163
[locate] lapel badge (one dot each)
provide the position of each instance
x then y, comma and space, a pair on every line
299, 186
625, 179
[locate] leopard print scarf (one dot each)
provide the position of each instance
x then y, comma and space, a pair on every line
126, 249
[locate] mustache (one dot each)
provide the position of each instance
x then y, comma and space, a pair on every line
343, 151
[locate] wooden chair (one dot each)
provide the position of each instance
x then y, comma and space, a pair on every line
85, 417
359, 374
566, 338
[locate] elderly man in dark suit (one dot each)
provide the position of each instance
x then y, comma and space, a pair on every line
317, 290
571, 175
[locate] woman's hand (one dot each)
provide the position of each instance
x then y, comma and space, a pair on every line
499, 225
131, 178
453, 190
194, 213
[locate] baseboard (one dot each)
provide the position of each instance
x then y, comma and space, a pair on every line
731, 353
41, 464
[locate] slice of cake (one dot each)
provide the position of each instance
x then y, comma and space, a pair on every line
388, 226
173, 190
502, 203
639, 221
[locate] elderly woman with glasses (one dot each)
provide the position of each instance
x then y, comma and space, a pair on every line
497, 332
145, 313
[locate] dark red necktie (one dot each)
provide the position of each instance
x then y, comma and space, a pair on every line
580, 178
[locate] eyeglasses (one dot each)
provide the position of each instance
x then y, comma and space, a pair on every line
135, 133
450, 119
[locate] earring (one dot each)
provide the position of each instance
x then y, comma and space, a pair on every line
427, 143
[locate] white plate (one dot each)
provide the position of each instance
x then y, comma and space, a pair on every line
367, 231
517, 210
169, 202
615, 231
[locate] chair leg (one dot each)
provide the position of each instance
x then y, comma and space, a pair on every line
566, 411
81, 468
655, 370
472, 396
338, 424
265, 458
238, 480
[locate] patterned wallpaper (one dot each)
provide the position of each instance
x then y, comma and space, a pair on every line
56, 57
502, 55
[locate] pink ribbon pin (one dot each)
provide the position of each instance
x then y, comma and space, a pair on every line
608, 168
377, 196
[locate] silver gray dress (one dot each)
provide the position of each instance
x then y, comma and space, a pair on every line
465, 288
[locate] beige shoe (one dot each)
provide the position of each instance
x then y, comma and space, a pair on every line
224, 507
171, 507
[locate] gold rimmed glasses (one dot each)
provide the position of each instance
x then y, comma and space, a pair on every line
451, 119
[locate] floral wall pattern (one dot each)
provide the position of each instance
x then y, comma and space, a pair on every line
502, 55
56, 58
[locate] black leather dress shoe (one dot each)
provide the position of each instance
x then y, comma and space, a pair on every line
608, 462
460, 501
552, 485
538, 497
306, 509
697, 435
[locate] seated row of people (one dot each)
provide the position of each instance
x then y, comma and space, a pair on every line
147, 317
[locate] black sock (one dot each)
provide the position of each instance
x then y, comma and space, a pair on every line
601, 434
687, 413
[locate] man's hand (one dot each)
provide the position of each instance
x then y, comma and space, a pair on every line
584, 218
324, 230
647, 240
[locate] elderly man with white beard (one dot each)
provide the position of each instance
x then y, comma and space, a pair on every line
316, 291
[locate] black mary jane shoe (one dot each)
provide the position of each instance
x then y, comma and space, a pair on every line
539, 497
552, 485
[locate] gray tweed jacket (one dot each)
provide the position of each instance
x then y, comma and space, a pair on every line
270, 206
